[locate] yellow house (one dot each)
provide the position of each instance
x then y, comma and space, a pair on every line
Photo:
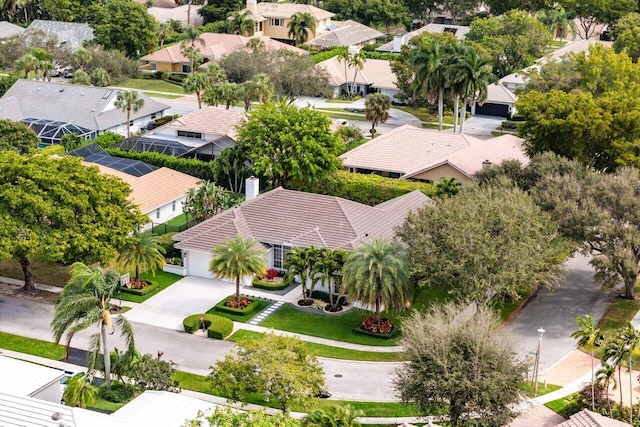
272, 19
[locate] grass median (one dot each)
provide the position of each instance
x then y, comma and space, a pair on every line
162, 278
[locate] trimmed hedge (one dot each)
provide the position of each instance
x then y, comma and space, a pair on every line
271, 286
367, 189
218, 327
144, 291
248, 309
193, 167
360, 330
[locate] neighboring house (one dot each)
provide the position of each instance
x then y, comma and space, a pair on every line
29, 380
180, 14
53, 109
281, 219
587, 418
158, 192
202, 134
272, 19
409, 152
345, 33
70, 34
7, 29
400, 40
171, 60
500, 102
375, 76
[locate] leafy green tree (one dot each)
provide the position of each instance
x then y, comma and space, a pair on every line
287, 143
377, 108
126, 26
81, 78
236, 259
127, 101
151, 373
457, 8
296, 75
218, 10
195, 83
498, 7
225, 416
231, 170
61, 210
277, 366
589, 337
300, 262
378, 275
241, 23
448, 187
333, 416
16, 136
457, 363
206, 201
83, 303
143, 251
191, 38
554, 75
79, 391
626, 37
590, 13
500, 224
300, 26
70, 141
386, 13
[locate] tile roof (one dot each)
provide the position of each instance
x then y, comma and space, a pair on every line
302, 219
586, 418
7, 29
215, 46
155, 189
458, 30
345, 33
406, 149
164, 14
286, 10
211, 120
87, 106
375, 72
71, 34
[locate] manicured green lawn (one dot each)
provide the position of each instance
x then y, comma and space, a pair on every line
542, 390
337, 327
173, 225
152, 85
106, 405
558, 405
46, 272
163, 95
242, 318
32, 346
321, 350
162, 278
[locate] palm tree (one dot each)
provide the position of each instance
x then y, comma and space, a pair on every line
454, 75
377, 108
81, 77
164, 30
448, 187
241, 24
229, 93
300, 263
558, 20
27, 63
605, 376
334, 416
237, 259
613, 354
129, 100
476, 76
46, 67
357, 62
81, 57
345, 57
79, 391
143, 252
589, 337
300, 25
215, 74
427, 60
327, 265
256, 44
377, 274
212, 95
263, 87
197, 83
84, 302
191, 37
100, 77
629, 338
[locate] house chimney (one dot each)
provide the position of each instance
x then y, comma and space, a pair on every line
251, 4
486, 164
252, 188
398, 41
353, 50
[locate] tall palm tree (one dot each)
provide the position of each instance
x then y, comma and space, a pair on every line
559, 20
454, 75
300, 25
430, 71
256, 44
212, 95
589, 337
476, 76
237, 259
241, 24
215, 74
377, 108
377, 274
629, 338
127, 101
46, 67
27, 63
345, 57
79, 391
192, 36
143, 252
326, 267
229, 93
84, 302
300, 263
606, 375
613, 355
357, 62
197, 83
164, 30
334, 416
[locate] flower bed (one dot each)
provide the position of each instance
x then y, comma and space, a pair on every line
150, 287
217, 327
247, 305
382, 328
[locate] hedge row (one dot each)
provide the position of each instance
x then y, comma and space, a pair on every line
367, 189
218, 327
144, 291
192, 167
221, 306
271, 286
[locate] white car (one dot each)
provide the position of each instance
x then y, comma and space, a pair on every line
341, 122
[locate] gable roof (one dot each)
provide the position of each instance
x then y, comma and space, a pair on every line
302, 219
345, 33
211, 120
86, 106
498, 94
374, 72
216, 46
7, 29
71, 34
586, 418
286, 10
458, 30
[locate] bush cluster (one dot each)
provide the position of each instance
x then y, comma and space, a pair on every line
119, 393
143, 291
192, 167
252, 305
271, 286
217, 327
324, 297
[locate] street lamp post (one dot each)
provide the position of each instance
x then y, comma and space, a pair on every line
537, 363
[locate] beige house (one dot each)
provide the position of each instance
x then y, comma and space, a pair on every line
345, 33
375, 76
409, 152
272, 19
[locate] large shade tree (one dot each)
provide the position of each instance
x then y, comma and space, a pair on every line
61, 210
83, 303
16, 136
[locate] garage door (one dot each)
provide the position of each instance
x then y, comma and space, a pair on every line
198, 264
489, 109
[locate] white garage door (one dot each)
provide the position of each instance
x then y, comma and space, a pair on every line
198, 264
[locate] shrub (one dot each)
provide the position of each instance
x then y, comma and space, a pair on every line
367, 189
381, 326
271, 286
361, 331
175, 261
140, 292
119, 393
192, 167
217, 327
271, 274
176, 78
108, 139
324, 297
250, 308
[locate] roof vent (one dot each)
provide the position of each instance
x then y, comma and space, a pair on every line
93, 110
37, 89
61, 90
82, 94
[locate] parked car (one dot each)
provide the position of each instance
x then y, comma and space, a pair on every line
58, 71
341, 122
68, 72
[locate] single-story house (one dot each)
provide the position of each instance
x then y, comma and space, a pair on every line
28, 379
7, 29
171, 60
375, 76
54, 109
500, 102
345, 33
409, 152
281, 219
70, 34
400, 40
180, 13
202, 133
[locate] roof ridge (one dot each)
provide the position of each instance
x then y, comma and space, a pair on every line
380, 138
339, 201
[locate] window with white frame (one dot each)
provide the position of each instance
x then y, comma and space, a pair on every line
276, 22
280, 255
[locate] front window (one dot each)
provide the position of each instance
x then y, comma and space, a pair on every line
276, 22
186, 68
280, 255
187, 134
